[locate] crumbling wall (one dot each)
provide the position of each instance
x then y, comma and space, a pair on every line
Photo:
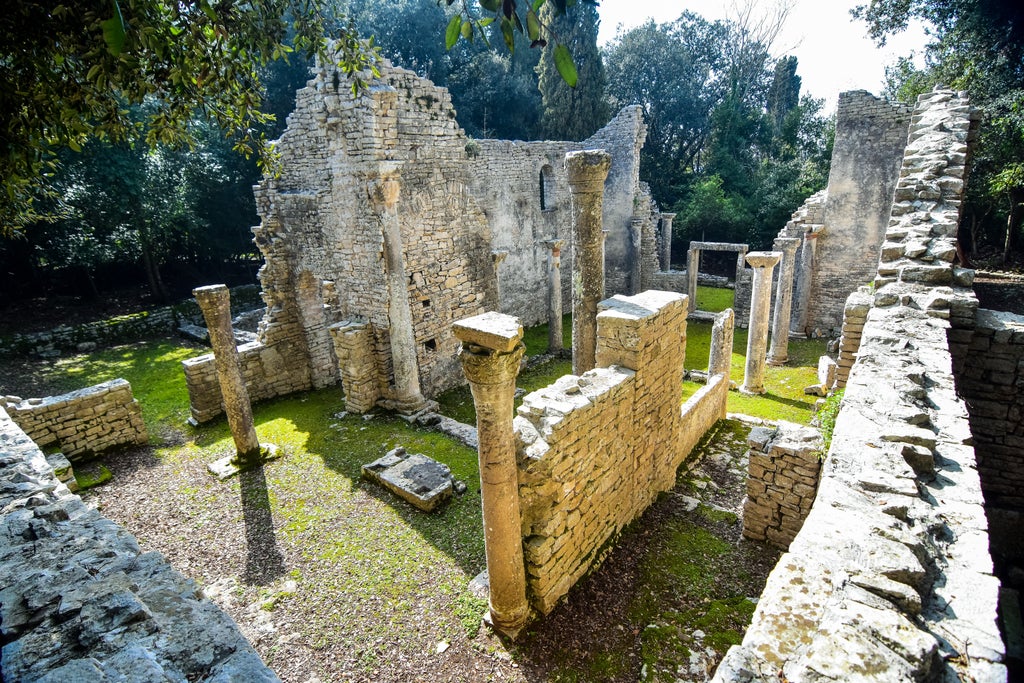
990, 376
855, 314
595, 450
782, 480
83, 422
470, 225
890, 575
81, 602
870, 136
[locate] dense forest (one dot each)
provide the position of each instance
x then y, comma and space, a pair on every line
733, 146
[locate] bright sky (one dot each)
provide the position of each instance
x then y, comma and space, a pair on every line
832, 49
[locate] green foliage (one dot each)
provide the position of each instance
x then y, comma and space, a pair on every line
571, 110
826, 418
73, 73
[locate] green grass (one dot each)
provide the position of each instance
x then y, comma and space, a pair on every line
714, 299
784, 399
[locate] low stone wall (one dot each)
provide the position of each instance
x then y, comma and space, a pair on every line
594, 451
84, 422
890, 578
783, 469
80, 601
120, 330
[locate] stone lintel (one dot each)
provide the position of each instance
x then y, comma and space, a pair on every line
763, 259
491, 330
719, 246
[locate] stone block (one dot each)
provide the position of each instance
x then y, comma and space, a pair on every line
417, 479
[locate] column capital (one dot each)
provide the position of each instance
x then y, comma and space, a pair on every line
210, 294
553, 245
763, 259
587, 169
788, 245
668, 216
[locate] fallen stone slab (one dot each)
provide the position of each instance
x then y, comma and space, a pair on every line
417, 479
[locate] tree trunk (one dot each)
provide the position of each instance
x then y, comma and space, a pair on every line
156, 284
1012, 219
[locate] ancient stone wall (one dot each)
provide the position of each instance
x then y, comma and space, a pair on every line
890, 575
782, 479
805, 224
84, 422
990, 375
466, 233
870, 136
81, 602
595, 450
119, 330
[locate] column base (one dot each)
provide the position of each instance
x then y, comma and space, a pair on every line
752, 390
231, 465
776, 362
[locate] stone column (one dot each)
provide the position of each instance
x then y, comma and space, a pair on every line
720, 355
692, 268
636, 237
587, 171
215, 302
763, 263
491, 351
497, 258
779, 353
555, 341
740, 258
406, 397
803, 283
666, 241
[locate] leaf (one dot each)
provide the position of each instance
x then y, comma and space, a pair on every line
532, 25
564, 64
451, 34
490, 5
537, 4
508, 34
508, 8
467, 30
114, 31
485, 22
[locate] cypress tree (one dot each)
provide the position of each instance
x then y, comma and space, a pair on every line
572, 113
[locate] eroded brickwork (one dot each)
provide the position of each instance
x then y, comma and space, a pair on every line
84, 422
472, 217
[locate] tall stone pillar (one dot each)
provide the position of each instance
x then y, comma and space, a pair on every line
587, 171
406, 397
215, 302
555, 341
666, 241
803, 283
740, 260
636, 238
763, 263
779, 352
720, 354
692, 268
491, 351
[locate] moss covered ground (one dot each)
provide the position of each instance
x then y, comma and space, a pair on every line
360, 586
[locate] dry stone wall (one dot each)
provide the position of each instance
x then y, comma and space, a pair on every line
595, 450
990, 376
782, 479
855, 314
80, 601
84, 422
890, 576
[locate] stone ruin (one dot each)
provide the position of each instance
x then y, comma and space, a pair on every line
390, 233
388, 223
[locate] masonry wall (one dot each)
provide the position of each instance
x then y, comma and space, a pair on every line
870, 136
463, 206
81, 602
990, 377
890, 576
84, 422
595, 450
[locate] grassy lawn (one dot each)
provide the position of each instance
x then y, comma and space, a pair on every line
714, 299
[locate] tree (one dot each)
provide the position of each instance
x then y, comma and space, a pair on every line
572, 113
72, 72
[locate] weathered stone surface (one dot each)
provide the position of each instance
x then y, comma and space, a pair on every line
422, 481
81, 602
